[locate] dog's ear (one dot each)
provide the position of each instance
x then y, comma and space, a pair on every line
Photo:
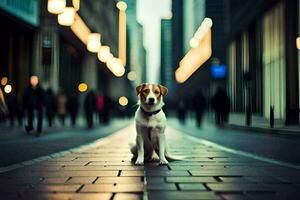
139, 88
163, 90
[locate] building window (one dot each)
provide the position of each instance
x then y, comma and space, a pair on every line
273, 62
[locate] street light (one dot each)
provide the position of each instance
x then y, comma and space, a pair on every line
66, 18
82, 87
115, 66
131, 76
122, 6
56, 6
76, 4
199, 53
104, 54
94, 43
7, 89
123, 101
80, 29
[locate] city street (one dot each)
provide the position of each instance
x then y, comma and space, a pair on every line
103, 170
90, 87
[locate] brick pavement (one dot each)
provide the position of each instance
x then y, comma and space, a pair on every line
103, 170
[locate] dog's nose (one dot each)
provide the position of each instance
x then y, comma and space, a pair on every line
151, 100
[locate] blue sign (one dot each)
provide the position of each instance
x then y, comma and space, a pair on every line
218, 71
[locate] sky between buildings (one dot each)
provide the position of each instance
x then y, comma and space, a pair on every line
149, 14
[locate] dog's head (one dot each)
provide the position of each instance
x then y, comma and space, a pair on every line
151, 94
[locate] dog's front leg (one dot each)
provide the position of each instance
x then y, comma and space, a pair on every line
140, 147
162, 148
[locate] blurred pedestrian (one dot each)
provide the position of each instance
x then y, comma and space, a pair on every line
3, 107
89, 108
199, 104
73, 107
221, 105
12, 105
100, 107
50, 104
61, 106
106, 109
181, 110
33, 100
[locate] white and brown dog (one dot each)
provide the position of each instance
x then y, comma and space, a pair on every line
150, 124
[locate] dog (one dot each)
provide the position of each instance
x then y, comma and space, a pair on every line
150, 121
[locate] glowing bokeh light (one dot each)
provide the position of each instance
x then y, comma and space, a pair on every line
7, 89
82, 87
4, 80
123, 101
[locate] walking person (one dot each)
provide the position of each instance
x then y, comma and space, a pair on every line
33, 100
61, 105
73, 107
89, 108
50, 104
199, 104
221, 105
100, 107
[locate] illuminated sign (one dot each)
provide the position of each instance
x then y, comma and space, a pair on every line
218, 71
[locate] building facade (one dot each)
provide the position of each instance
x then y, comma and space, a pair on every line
263, 58
33, 43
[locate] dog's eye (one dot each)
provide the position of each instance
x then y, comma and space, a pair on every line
156, 92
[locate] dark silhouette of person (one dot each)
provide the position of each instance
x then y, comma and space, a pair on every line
73, 107
61, 106
199, 104
181, 110
221, 105
50, 104
106, 109
100, 107
33, 100
89, 108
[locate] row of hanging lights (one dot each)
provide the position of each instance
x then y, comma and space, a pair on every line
66, 16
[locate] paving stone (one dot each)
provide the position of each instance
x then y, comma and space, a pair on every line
190, 179
55, 188
132, 173
81, 180
66, 196
126, 196
161, 186
152, 180
55, 180
102, 168
168, 173
234, 179
191, 186
117, 180
113, 188
234, 197
238, 187
180, 195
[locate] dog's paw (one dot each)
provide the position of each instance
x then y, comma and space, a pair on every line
139, 162
163, 162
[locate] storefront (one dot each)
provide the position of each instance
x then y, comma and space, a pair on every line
262, 59
19, 21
